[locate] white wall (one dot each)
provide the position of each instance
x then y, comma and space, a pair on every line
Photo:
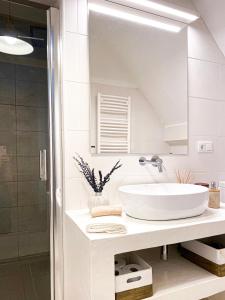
212, 13
206, 116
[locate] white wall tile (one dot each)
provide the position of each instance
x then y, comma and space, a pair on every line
75, 142
70, 15
222, 81
205, 177
75, 16
82, 17
105, 163
221, 119
221, 176
204, 79
220, 155
75, 57
201, 44
77, 193
206, 117
76, 102
203, 117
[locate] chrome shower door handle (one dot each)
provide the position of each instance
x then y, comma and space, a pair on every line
43, 165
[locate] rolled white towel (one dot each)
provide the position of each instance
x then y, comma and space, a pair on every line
111, 228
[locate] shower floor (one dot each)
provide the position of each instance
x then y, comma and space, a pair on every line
26, 279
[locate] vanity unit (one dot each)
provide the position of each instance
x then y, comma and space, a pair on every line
174, 279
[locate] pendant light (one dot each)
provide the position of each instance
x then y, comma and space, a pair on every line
9, 41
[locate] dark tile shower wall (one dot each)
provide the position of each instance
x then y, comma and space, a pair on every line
24, 215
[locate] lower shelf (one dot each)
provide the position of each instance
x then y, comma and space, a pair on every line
178, 279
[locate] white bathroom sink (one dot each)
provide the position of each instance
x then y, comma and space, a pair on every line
164, 201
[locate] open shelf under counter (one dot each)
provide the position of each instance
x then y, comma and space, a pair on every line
93, 255
178, 279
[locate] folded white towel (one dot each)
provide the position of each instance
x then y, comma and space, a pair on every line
112, 228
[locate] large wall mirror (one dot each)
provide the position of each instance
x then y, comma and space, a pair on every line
138, 81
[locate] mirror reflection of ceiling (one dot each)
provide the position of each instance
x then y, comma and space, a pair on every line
150, 60
23, 12
29, 22
50, 3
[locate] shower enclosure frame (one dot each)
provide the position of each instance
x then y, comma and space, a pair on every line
55, 153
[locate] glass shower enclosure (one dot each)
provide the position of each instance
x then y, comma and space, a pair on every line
27, 142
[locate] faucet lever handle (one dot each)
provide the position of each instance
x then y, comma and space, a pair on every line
142, 161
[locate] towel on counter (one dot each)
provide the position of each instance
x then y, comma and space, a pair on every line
111, 228
106, 210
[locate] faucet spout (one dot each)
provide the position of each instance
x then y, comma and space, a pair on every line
155, 161
160, 168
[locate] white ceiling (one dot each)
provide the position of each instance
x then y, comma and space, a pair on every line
213, 13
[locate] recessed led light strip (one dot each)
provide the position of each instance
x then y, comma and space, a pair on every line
161, 8
124, 13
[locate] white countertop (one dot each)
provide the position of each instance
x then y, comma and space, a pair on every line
212, 222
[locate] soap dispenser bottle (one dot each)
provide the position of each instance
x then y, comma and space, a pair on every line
214, 196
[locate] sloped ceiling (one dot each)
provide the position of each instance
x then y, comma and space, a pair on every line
213, 13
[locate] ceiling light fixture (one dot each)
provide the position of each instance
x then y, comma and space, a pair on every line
163, 9
132, 17
10, 43
14, 46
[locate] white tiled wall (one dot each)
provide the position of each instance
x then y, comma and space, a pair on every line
75, 93
206, 66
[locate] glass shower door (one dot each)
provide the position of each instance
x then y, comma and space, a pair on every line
24, 197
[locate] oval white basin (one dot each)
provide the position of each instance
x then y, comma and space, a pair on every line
164, 201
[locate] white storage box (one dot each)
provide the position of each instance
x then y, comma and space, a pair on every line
199, 247
208, 253
132, 281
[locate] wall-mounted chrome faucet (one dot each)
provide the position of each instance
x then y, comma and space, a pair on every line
155, 161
